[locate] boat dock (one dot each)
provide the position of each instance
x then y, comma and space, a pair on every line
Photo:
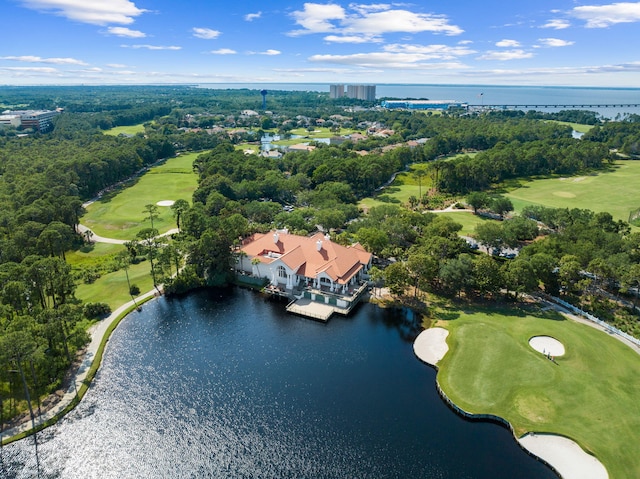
321, 305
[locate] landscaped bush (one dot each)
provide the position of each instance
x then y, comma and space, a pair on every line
134, 290
96, 310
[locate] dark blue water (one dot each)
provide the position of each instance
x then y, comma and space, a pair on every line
227, 385
485, 94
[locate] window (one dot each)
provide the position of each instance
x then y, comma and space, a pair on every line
282, 272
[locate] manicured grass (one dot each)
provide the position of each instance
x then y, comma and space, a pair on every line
468, 220
576, 126
591, 394
321, 132
127, 130
615, 192
112, 288
404, 186
122, 215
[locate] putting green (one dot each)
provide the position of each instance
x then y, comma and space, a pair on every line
590, 394
613, 191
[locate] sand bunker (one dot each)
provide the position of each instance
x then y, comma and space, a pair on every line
165, 203
431, 345
547, 345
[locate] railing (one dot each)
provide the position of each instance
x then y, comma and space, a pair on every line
593, 319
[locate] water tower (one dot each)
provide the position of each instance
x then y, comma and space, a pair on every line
264, 99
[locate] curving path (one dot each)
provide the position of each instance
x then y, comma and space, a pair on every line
97, 333
82, 229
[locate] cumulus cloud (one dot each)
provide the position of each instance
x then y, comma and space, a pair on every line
36, 59
430, 52
205, 33
152, 47
31, 69
223, 51
601, 16
554, 42
504, 55
352, 39
386, 60
125, 32
508, 44
316, 18
249, 17
367, 21
557, 24
101, 12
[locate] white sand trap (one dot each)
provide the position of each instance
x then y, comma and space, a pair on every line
165, 203
431, 345
547, 345
565, 456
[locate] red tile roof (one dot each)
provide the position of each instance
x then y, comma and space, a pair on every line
301, 254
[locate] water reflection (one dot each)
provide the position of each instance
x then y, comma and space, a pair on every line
227, 385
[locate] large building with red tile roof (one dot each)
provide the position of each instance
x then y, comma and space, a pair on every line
289, 260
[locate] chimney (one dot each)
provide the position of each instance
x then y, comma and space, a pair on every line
327, 237
318, 245
275, 238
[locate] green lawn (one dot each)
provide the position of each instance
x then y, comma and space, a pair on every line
112, 288
576, 126
616, 192
127, 130
404, 186
592, 394
321, 132
122, 215
468, 220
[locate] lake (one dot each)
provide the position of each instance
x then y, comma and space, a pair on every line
225, 384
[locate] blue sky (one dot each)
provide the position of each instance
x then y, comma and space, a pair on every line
501, 42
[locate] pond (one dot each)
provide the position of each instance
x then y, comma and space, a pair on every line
225, 384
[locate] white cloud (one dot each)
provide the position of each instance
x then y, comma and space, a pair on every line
98, 12
554, 42
557, 24
367, 21
364, 9
36, 59
352, 39
249, 17
31, 69
125, 32
269, 52
223, 51
116, 65
316, 18
393, 21
430, 52
386, 60
152, 47
205, 33
504, 55
601, 16
508, 44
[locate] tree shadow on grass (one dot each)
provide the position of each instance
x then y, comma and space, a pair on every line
87, 248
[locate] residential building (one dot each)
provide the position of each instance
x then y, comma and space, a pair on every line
291, 261
336, 91
362, 92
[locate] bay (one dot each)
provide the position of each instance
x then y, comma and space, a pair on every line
483, 94
225, 384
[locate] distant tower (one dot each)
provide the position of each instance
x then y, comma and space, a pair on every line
264, 99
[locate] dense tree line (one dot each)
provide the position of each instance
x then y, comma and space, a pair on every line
519, 160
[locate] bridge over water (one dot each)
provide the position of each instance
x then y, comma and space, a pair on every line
521, 106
